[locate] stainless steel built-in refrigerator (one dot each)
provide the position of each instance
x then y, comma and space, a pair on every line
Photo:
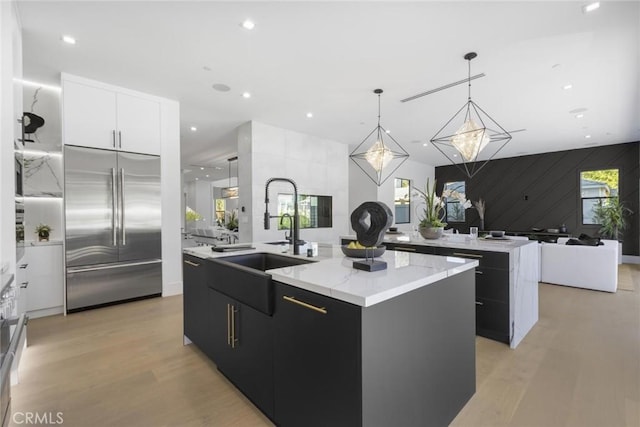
112, 221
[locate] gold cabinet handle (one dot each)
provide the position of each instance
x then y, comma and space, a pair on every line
467, 255
193, 264
404, 249
234, 340
228, 325
305, 305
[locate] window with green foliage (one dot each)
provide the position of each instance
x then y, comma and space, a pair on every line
454, 196
220, 206
597, 187
314, 211
402, 201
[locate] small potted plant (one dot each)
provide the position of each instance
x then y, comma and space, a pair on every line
232, 221
611, 217
43, 231
431, 218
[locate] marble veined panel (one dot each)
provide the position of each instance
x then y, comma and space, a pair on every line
525, 265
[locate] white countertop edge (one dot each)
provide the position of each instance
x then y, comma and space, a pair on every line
506, 246
367, 301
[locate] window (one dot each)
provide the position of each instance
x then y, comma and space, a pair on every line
220, 205
454, 193
402, 201
596, 187
314, 211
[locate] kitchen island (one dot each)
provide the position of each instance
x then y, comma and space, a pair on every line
341, 346
506, 279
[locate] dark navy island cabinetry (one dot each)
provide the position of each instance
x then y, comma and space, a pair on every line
506, 280
307, 358
492, 291
317, 359
195, 302
242, 348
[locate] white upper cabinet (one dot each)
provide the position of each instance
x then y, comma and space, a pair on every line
102, 116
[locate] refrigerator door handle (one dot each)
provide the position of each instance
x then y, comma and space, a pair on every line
123, 228
114, 208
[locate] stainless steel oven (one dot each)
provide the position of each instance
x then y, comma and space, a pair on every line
12, 335
19, 228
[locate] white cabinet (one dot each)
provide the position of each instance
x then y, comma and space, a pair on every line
45, 293
102, 116
22, 284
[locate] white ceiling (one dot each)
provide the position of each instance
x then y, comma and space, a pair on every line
327, 57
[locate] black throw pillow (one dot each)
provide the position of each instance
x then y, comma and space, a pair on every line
584, 242
575, 242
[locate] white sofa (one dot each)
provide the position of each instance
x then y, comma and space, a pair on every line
589, 267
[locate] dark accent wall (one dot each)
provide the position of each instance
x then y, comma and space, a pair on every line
543, 190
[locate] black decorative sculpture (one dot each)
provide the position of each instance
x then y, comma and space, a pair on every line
370, 233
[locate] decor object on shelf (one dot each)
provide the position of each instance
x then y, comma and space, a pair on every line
380, 156
610, 214
356, 250
480, 207
471, 140
370, 220
230, 192
433, 214
43, 231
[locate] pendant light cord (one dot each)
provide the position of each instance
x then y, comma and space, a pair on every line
469, 60
378, 110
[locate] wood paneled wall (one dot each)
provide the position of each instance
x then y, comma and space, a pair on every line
543, 190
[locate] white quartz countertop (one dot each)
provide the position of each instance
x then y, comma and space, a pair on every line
459, 241
332, 273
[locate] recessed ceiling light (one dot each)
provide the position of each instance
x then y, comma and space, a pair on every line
248, 24
388, 131
567, 87
201, 168
69, 39
207, 176
218, 168
587, 136
193, 128
590, 7
579, 116
246, 95
196, 179
221, 87
424, 144
455, 155
309, 115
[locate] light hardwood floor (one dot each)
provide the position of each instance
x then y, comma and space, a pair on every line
126, 366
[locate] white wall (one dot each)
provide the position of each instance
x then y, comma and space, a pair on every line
171, 196
318, 166
200, 199
245, 174
362, 188
10, 111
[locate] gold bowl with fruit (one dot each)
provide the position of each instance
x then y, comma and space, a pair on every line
356, 250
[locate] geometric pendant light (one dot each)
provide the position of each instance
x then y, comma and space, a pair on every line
471, 137
379, 155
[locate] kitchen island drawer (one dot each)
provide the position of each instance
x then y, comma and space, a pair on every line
485, 258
